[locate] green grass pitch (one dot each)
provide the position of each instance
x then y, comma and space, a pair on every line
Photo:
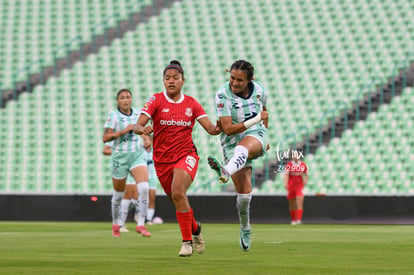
89, 248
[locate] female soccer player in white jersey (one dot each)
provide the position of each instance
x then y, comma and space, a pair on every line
173, 115
241, 108
128, 156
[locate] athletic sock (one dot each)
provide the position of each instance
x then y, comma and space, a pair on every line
299, 214
243, 207
185, 222
238, 160
194, 225
123, 212
150, 214
115, 205
292, 215
142, 202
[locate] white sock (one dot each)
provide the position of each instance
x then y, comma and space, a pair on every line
123, 212
238, 161
243, 207
115, 204
150, 214
143, 197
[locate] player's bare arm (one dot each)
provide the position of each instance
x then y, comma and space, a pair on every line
229, 128
140, 128
209, 126
110, 135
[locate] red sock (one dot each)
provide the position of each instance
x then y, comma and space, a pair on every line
194, 225
299, 214
184, 221
293, 215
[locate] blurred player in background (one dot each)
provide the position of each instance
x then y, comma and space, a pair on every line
130, 198
296, 177
241, 108
128, 156
173, 116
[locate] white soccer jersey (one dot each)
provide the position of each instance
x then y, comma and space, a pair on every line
117, 121
240, 109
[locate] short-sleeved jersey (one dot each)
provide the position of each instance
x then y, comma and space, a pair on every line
296, 170
240, 109
117, 121
173, 124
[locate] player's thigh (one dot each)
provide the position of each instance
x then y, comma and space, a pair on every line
139, 173
255, 141
242, 180
138, 166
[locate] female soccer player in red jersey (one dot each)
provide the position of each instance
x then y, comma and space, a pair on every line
296, 177
175, 156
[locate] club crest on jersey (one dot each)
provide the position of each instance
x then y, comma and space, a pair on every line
220, 105
191, 162
188, 112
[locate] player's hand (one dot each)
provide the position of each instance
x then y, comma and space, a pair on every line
129, 128
147, 130
218, 129
264, 115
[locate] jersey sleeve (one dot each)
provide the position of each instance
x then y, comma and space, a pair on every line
150, 106
198, 110
223, 104
111, 121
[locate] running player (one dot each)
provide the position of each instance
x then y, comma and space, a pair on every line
127, 157
130, 197
296, 177
241, 108
173, 115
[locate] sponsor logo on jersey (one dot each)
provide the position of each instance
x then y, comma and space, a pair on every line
166, 110
188, 112
173, 122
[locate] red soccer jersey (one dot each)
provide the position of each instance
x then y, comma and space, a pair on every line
173, 124
296, 172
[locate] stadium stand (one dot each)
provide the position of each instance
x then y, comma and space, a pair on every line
374, 158
310, 55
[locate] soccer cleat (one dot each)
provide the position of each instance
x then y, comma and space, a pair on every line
198, 241
115, 231
293, 223
218, 167
186, 249
141, 229
245, 239
123, 229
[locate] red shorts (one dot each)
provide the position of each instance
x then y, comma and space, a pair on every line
165, 171
295, 190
